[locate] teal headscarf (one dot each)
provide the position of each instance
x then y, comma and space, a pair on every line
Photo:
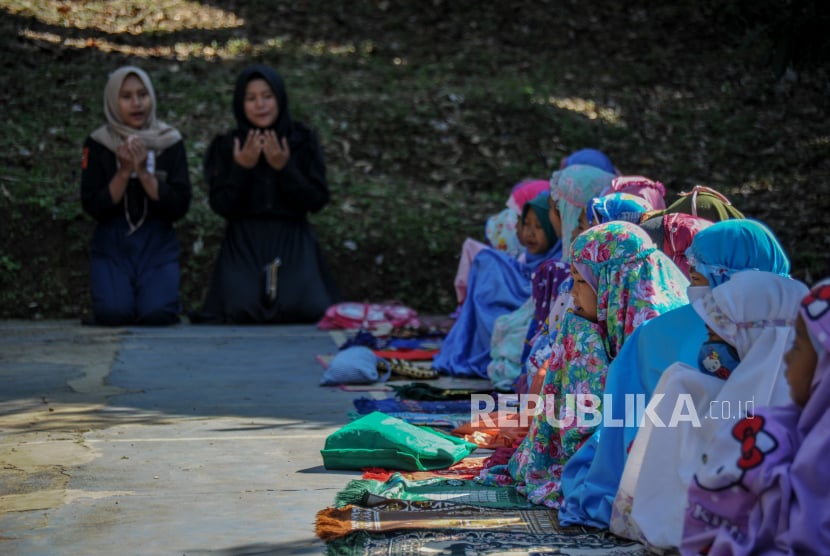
571, 188
729, 246
617, 206
540, 206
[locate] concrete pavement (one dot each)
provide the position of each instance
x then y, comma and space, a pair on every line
186, 440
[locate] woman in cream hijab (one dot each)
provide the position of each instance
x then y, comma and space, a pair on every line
135, 184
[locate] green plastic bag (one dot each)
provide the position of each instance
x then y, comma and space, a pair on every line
380, 440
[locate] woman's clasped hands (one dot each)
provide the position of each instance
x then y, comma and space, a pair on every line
265, 142
132, 154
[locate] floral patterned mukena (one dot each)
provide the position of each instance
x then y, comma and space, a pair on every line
635, 283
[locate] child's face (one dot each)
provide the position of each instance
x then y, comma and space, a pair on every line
520, 234
134, 102
585, 298
801, 363
532, 235
696, 278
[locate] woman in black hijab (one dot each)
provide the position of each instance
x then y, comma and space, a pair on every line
264, 178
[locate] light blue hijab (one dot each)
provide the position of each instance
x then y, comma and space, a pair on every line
617, 206
728, 246
592, 475
571, 189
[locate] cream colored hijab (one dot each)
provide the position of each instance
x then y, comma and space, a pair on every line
157, 135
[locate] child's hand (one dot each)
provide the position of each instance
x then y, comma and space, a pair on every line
276, 150
248, 155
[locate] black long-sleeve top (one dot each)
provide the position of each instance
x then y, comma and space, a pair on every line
238, 193
100, 165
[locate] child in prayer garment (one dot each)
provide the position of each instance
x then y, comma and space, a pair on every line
757, 487
592, 476
752, 317
499, 284
620, 281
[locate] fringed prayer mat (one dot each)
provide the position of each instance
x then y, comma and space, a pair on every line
386, 515
458, 491
468, 468
481, 543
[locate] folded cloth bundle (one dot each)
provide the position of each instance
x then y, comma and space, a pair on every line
379, 440
355, 365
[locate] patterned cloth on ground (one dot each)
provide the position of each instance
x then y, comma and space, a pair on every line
446, 542
459, 491
383, 514
425, 391
467, 468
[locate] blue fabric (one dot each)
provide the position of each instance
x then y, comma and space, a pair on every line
591, 477
365, 405
591, 157
497, 285
732, 245
354, 365
718, 359
134, 278
616, 206
364, 338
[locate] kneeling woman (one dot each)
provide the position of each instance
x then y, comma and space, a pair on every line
135, 183
264, 178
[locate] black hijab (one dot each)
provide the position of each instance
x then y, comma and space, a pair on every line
283, 125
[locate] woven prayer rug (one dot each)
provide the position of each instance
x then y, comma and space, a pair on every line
435, 542
458, 491
383, 515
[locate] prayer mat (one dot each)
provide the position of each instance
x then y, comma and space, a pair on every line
459, 491
424, 391
467, 468
444, 420
365, 388
384, 515
436, 542
407, 354
366, 405
412, 369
